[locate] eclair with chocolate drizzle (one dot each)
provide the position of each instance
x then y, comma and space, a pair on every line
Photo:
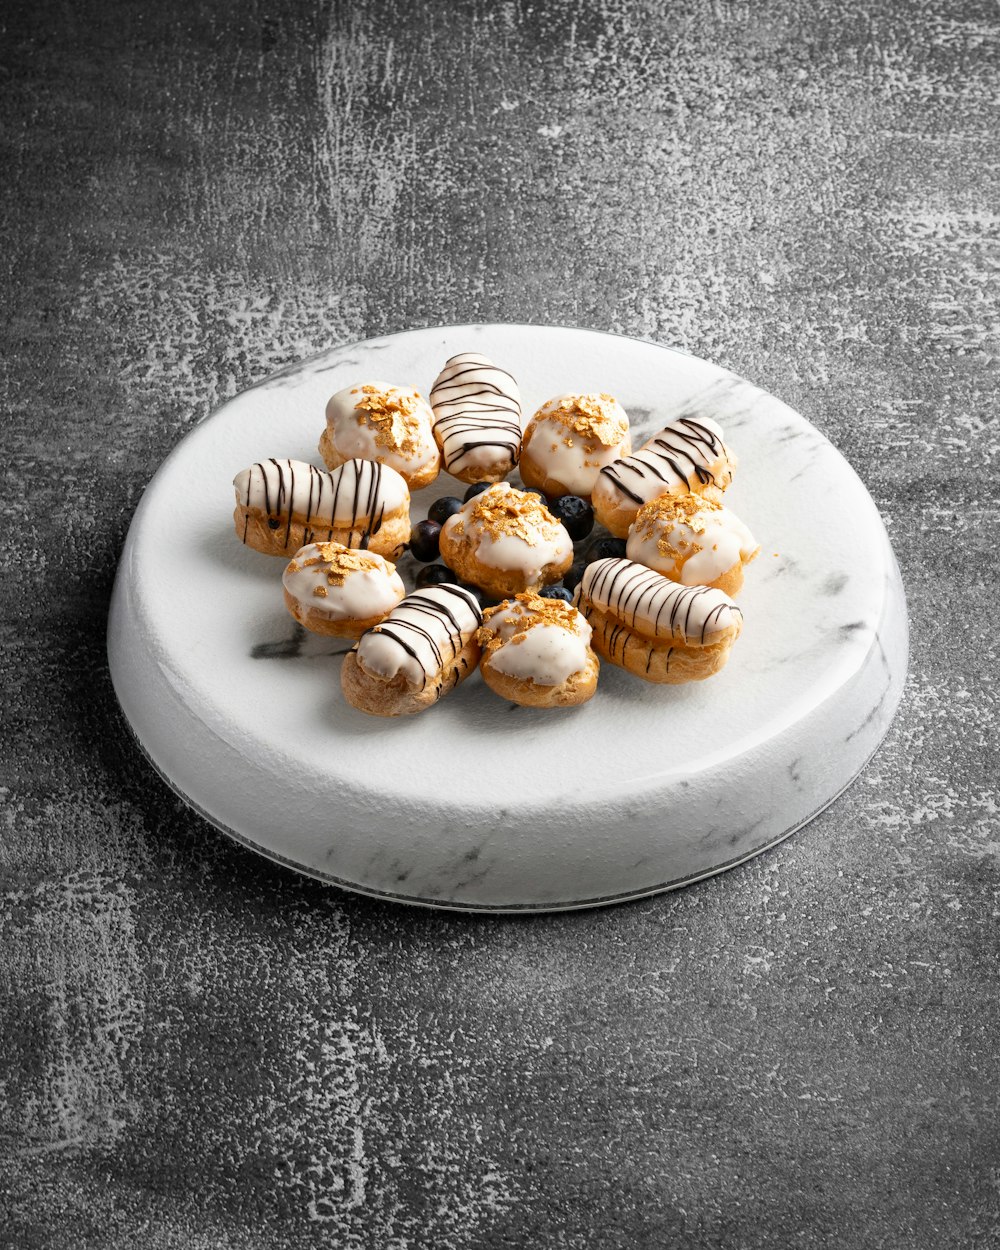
687, 455
425, 647
477, 418
282, 505
657, 629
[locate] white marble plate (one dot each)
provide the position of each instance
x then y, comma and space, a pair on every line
477, 804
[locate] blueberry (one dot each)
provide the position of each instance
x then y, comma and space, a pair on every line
424, 540
475, 489
441, 509
573, 577
575, 513
556, 592
435, 575
607, 547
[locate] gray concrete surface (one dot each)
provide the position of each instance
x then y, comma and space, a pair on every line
198, 1049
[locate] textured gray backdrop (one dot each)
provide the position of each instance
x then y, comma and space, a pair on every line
201, 1050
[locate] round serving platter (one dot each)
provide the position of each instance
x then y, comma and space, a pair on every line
477, 804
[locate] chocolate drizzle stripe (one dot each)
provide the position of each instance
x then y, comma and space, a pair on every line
319, 494
450, 630
472, 410
683, 441
628, 591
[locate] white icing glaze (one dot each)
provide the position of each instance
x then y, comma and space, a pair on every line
685, 455
545, 545
421, 635
477, 410
354, 432
547, 654
700, 553
511, 552
567, 455
346, 498
364, 592
647, 602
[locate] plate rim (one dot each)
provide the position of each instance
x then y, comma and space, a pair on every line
652, 784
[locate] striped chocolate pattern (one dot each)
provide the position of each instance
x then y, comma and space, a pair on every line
681, 455
354, 496
648, 603
477, 408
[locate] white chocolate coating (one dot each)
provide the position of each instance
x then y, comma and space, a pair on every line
651, 605
694, 551
535, 650
477, 411
356, 492
685, 455
379, 421
575, 456
371, 588
421, 635
525, 547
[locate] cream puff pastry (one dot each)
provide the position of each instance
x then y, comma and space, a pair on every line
282, 505
570, 439
536, 652
390, 424
686, 456
334, 590
425, 647
504, 541
477, 418
657, 629
692, 540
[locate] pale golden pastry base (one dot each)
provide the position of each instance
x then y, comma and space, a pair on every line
576, 689
661, 660
500, 583
253, 528
314, 620
473, 474
378, 697
536, 478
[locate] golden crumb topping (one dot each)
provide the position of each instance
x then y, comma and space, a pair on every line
340, 562
525, 611
392, 416
692, 511
503, 511
598, 417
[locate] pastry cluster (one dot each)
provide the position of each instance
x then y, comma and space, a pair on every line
513, 583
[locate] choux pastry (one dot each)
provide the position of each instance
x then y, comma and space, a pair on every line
536, 652
692, 540
379, 421
657, 629
477, 418
282, 505
688, 455
334, 590
505, 541
424, 648
570, 439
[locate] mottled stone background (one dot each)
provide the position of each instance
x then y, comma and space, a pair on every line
202, 1050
